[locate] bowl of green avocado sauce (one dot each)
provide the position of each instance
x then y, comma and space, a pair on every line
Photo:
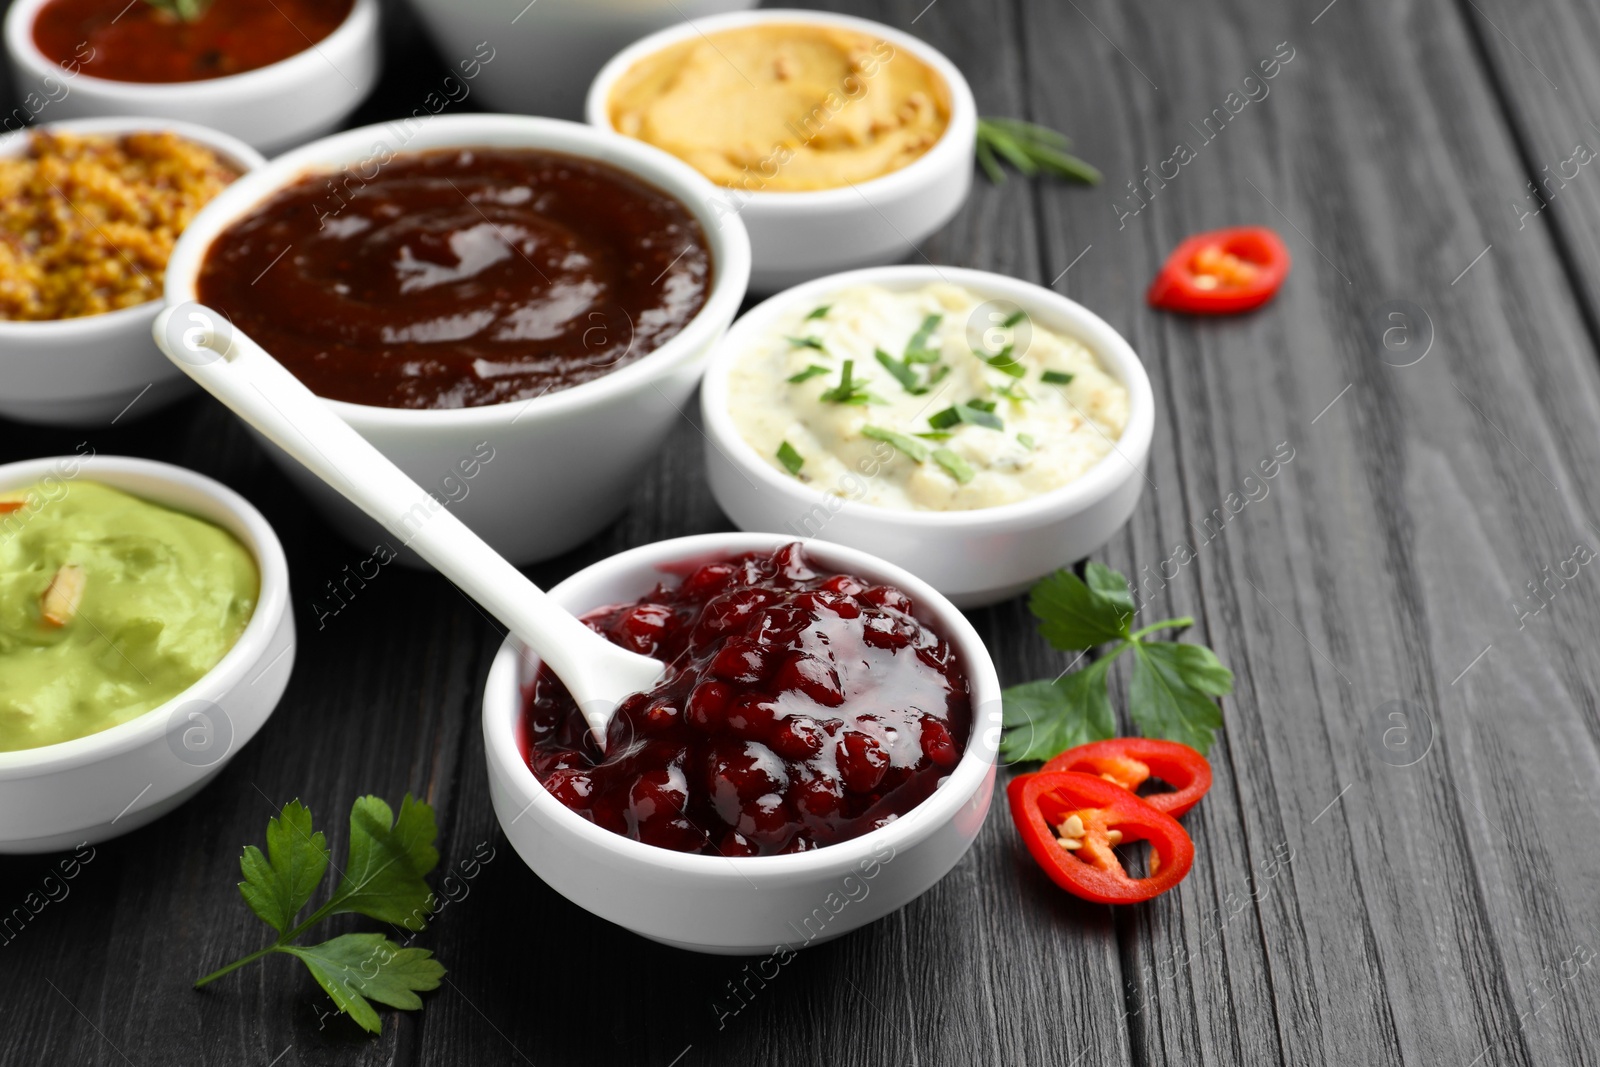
110, 606
146, 636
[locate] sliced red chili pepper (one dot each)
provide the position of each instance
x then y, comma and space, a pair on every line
7, 506
1071, 821
1132, 761
1222, 272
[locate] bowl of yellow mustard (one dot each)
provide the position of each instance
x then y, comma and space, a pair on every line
145, 636
840, 142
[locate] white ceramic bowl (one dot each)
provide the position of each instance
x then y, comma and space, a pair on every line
546, 53
89, 370
973, 557
271, 108
797, 236
563, 464
751, 905
106, 784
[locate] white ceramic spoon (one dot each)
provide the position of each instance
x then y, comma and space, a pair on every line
258, 388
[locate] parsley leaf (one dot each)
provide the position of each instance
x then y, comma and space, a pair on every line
1074, 616
383, 878
819, 312
355, 967
1046, 717
278, 885
1111, 586
1174, 689
388, 857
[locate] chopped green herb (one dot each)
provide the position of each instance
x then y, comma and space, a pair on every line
849, 391
970, 413
819, 313
902, 372
1013, 319
912, 447
905, 372
807, 374
806, 342
1026, 440
792, 461
980, 404
1013, 391
186, 10
935, 435
953, 464
917, 350
1055, 377
1003, 362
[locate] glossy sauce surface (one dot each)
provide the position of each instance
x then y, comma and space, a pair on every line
799, 709
139, 43
460, 277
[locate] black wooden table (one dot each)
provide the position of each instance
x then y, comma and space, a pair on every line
1359, 897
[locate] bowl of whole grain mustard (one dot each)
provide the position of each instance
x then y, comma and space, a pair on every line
840, 142
89, 213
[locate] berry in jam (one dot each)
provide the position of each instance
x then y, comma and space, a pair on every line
798, 710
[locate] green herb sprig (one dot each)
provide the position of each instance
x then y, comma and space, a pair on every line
1030, 148
383, 879
1174, 689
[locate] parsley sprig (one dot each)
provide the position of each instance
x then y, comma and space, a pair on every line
383, 878
1032, 149
1174, 689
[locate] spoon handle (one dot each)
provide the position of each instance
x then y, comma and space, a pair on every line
258, 388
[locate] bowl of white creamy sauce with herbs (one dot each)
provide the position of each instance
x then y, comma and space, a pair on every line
954, 401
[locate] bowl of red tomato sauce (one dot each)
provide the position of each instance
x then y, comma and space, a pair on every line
820, 752
273, 73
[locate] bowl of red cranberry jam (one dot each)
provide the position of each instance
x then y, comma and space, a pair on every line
819, 752
800, 708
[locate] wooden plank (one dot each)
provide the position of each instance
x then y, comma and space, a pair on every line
1408, 923
1541, 61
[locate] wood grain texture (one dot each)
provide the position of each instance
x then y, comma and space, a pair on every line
1342, 909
